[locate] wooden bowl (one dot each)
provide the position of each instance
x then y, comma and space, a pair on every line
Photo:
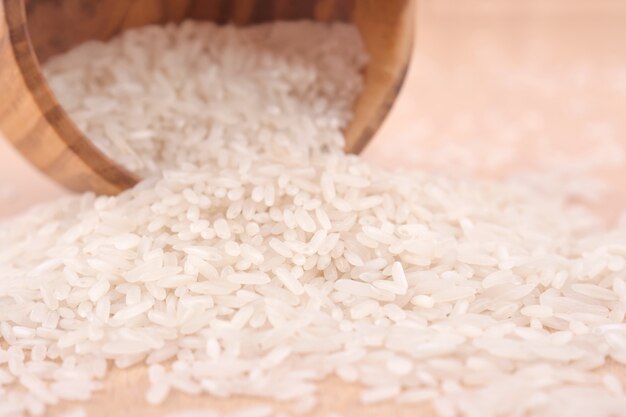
31, 31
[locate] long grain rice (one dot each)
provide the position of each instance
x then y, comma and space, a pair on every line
260, 258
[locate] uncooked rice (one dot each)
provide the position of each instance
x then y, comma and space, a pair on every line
157, 97
275, 261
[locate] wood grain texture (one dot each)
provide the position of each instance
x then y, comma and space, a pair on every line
388, 36
35, 123
34, 30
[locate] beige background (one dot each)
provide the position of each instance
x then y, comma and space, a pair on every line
531, 90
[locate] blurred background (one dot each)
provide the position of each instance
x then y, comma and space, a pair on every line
531, 91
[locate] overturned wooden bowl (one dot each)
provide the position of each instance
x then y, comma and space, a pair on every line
31, 31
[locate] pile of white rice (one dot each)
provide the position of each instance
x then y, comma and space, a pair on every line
159, 97
273, 260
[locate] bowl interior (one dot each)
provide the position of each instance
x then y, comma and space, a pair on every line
44, 28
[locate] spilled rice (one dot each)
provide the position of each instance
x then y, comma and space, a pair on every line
270, 260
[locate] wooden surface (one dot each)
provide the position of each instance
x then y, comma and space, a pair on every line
388, 36
32, 31
459, 53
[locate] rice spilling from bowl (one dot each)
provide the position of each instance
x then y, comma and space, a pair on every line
274, 260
